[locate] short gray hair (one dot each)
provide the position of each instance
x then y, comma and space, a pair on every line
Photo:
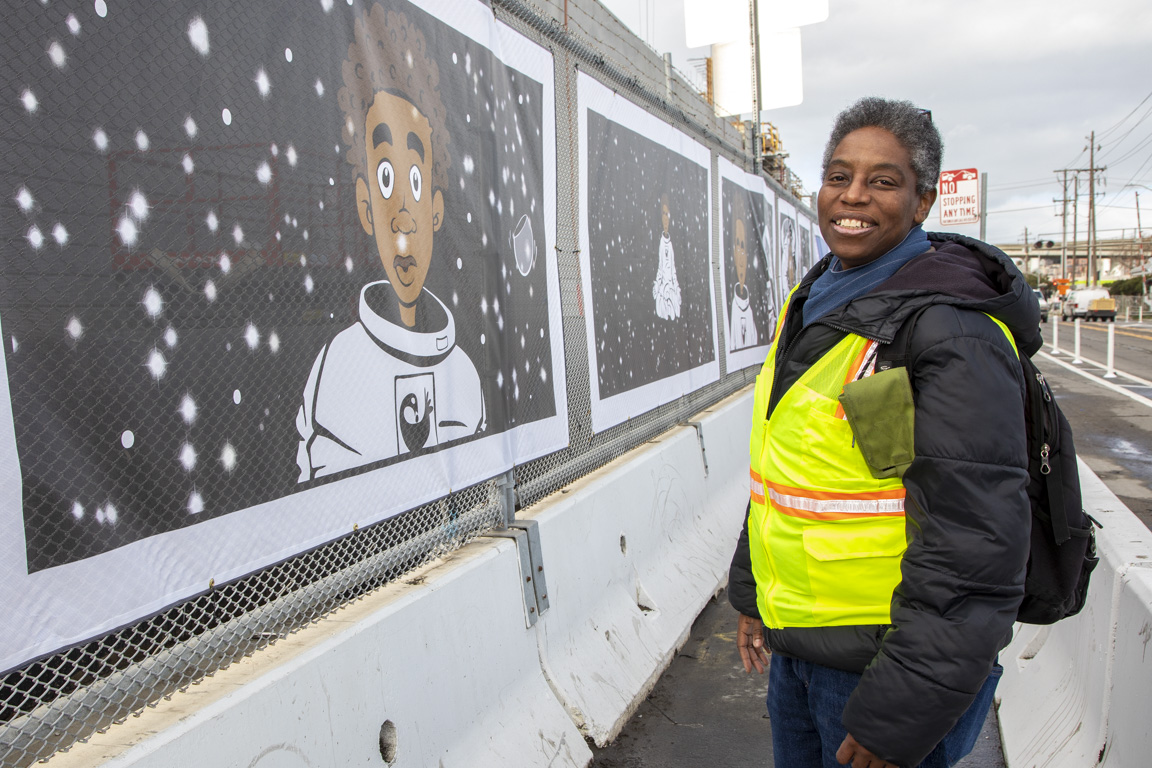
911, 126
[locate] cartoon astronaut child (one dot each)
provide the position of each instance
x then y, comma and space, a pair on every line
394, 382
666, 289
742, 330
788, 251
766, 246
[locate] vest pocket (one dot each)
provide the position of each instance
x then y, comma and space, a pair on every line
853, 568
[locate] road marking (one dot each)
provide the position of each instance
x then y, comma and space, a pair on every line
1104, 329
1106, 384
1139, 381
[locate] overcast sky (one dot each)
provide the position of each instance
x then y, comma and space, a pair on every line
1015, 87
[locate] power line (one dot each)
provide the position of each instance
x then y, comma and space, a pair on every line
1119, 122
1022, 185
1116, 144
1016, 210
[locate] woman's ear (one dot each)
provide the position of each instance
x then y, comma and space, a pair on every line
925, 205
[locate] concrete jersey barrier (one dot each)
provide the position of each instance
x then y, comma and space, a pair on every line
440, 669
1075, 694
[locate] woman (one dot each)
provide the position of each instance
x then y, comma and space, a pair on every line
887, 571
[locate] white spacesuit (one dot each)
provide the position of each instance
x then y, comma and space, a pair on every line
666, 289
742, 331
380, 389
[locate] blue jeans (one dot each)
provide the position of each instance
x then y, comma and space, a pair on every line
806, 701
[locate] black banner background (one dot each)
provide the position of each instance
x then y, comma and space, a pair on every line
159, 251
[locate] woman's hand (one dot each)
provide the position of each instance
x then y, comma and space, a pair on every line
750, 641
859, 756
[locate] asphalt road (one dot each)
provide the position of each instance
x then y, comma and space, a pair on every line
705, 711
1111, 418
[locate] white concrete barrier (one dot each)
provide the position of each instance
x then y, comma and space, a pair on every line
634, 551
439, 670
1075, 694
447, 662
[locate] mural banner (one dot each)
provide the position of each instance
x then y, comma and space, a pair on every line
271, 271
645, 258
748, 277
789, 267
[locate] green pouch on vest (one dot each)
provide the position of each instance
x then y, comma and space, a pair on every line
882, 415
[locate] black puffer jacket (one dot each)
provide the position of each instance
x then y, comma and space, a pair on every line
967, 510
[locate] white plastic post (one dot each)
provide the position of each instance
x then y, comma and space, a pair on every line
1127, 314
1076, 343
1111, 372
1055, 334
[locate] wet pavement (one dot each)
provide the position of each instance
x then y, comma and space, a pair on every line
705, 711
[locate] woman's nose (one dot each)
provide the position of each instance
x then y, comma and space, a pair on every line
856, 192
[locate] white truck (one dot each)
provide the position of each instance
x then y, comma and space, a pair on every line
1089, 303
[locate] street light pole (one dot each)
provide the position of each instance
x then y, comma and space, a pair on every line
754, 12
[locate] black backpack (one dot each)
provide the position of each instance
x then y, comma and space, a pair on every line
1063, 543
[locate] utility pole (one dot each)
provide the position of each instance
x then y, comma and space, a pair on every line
1075, 223
1064, 227
1092, 209
1092, 169
754, 13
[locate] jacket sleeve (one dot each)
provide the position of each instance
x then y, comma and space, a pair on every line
741, 582
968, 520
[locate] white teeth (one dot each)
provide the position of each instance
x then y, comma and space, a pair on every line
851, 224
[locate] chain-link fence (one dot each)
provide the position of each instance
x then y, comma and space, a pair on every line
52, 702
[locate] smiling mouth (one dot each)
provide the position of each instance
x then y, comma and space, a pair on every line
850, 226
402, 264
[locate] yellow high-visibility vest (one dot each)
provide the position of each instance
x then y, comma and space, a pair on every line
826, 536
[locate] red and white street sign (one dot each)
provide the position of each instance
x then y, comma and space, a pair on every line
959, 197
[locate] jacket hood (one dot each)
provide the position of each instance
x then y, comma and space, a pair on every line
959, 270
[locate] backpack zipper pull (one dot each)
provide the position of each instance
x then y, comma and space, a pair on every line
1045, 467
1044, 386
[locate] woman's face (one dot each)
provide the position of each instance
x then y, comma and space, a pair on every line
868, 200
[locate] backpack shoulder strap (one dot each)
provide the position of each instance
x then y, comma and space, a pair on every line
895, 353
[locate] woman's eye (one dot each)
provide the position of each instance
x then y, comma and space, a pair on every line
416, 180
386, 178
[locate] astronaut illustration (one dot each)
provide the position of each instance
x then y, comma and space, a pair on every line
394, 382
771, 283
666, 289
788, 251
742, 326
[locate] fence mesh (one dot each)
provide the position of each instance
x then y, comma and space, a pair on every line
53, 702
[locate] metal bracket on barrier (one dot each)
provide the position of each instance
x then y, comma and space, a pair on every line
527, 537
536, 558
507, 485
700, 438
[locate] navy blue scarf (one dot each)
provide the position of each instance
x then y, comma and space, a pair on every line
838, 286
